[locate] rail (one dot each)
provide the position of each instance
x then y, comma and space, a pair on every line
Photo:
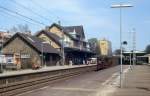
14, 84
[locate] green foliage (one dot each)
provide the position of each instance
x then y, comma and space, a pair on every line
94, 45
147, 49
20, 28
118, 51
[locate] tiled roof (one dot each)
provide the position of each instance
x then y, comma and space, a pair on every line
68, 29
68, 49
51, 35
35, 42
78, 29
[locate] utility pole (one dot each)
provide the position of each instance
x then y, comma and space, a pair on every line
62, 44
134, 47
42, 55
130, 49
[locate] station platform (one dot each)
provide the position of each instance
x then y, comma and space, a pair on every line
43, 69
136, 82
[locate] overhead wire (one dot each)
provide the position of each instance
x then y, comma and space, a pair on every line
19, 14
42, 7
17, 17
28, 9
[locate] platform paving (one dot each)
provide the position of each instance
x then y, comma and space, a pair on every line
136, 82
50, 68
88, 84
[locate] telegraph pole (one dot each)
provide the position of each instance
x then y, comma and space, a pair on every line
62, 45
134, 47
130, 49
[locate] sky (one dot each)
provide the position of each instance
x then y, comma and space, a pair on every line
97, 17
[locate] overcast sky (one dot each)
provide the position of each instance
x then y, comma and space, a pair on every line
98, 19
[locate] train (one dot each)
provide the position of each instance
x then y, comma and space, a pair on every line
104, 62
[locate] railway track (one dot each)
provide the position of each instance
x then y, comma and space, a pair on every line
14, 88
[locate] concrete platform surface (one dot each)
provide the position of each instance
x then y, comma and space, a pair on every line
136, 82
50, 68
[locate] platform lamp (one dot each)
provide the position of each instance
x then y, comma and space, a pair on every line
121, 6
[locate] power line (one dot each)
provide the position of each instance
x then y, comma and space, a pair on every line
39, 5
14, 12
3, 29
28, 9
17, 17
42, 7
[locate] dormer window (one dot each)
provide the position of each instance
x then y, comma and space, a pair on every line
73, 33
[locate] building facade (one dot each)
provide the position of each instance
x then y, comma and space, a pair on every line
105, 47
26, 51
69, 38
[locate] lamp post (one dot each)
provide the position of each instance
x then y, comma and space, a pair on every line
120, 6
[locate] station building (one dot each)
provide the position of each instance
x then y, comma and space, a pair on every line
25, 51
70, 39
47, 47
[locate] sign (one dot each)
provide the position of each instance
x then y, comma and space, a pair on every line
9, 60
25, 55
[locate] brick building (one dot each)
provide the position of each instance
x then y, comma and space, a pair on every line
28, 51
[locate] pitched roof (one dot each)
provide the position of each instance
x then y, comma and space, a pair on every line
68, 49
68, 29
54, 24
50, 35
78, 29
35, 43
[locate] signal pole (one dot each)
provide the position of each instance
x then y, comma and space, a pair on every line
134, 47
62, 45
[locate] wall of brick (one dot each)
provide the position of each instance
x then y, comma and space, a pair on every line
20, 47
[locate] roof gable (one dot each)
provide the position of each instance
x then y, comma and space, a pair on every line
50, 35
34, 42
69, 29
56, 25
76, 29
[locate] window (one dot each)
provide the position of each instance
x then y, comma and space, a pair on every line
9, 60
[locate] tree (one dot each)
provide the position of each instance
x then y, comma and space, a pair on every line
117, 52
13, 29
94, 45
147, 49
20, 28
